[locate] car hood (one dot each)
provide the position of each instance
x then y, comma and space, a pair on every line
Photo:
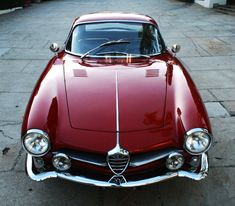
101, 96
75, 104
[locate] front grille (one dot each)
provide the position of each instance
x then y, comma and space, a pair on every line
118, 162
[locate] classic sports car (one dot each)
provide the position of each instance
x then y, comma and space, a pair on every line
115, 108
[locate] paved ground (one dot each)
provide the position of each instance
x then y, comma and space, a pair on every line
207, 39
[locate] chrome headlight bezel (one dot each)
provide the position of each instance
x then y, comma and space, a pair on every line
193, 131
43, 135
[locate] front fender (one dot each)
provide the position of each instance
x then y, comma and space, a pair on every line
184, 105
47, 104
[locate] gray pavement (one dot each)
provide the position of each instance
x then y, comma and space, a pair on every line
207, 39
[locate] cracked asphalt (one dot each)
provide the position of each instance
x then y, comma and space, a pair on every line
207, 39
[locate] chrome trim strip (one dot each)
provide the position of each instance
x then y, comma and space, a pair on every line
89, 161
134, 161
117, 109
117, 150
83, 159
46, 175
147, 160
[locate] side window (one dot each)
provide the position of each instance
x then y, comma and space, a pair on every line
149, 40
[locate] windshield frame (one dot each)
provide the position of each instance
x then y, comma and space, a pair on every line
163, 45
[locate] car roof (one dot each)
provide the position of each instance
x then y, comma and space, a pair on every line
110, 16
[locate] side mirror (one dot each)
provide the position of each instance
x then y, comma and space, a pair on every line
54, 47
175, 48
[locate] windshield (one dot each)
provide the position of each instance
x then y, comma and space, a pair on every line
94, 39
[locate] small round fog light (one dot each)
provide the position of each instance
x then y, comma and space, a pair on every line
174, 161
61, 162
195, 161
38, 162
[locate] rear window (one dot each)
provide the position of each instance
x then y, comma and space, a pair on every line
112, 27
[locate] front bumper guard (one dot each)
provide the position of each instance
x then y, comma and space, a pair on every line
181, 173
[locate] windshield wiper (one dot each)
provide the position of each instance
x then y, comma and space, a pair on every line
120, 41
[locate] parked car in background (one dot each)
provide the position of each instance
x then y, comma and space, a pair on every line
115, 108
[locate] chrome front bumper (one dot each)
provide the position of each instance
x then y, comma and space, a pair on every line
53, 174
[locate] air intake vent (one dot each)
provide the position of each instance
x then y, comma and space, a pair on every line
118, 160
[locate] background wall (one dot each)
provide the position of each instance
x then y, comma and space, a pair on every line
209, 3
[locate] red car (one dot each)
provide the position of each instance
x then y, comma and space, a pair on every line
115, 108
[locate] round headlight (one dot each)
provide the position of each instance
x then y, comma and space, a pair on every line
197, 141
36, 142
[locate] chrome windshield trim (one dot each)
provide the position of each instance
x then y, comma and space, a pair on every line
80, 179
110, 56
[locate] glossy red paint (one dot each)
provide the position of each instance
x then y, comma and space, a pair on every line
154, 125
113, 16
47, 110
74, 101
92, 100
91, 97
